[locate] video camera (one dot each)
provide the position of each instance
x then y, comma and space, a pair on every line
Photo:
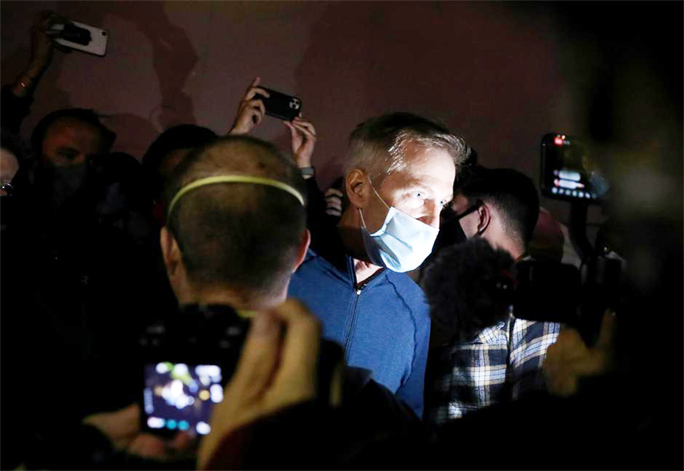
471, 285
559, 292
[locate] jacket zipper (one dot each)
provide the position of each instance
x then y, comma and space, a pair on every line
353, 320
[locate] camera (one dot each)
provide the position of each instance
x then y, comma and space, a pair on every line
568, 171
563, 293
188, 358
556, 292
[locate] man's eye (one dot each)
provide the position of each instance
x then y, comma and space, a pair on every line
418, 195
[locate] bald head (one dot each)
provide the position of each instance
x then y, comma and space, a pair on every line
239, 236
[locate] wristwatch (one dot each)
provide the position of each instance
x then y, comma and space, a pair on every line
307, 172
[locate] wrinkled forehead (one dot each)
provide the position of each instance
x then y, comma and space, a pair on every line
430, 165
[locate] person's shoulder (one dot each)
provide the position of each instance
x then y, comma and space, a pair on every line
312, 258
535, 329
407, 285
409, 292
315, 269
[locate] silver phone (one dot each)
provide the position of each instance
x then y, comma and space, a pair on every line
82, 37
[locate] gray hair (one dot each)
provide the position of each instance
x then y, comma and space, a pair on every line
379, 144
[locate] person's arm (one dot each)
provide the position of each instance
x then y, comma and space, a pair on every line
18, 96
569, 360
412, 391
250, 111
529, 342
323, 228
276, 370
303, 135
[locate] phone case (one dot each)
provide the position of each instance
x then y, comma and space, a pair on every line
97, 44
281, 106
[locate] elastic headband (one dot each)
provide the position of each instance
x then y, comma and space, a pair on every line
234, 179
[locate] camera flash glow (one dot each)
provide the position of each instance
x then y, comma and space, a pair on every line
558, 140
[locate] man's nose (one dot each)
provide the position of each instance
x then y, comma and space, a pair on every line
433, 216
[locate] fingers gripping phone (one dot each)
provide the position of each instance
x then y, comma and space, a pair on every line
81, 37
187, 360
281, 106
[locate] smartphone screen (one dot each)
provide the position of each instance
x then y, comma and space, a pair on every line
568, 170
181, 396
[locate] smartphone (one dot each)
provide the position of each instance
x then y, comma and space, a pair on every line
280, 105
568, 171
82, 37
180, 397
186, 360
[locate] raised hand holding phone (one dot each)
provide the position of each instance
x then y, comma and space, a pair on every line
303, 140
251, 109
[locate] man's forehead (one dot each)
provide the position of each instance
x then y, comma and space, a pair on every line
427, 165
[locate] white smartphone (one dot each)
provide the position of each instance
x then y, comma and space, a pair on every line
82, 37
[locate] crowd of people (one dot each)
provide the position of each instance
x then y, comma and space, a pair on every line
376, 340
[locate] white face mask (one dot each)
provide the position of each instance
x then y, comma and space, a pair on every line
402, 243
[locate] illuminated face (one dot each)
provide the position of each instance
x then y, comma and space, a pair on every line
422, 188
70, 141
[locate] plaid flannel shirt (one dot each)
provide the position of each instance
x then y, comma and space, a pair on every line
502, 363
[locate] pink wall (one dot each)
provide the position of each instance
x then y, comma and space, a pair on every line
488, 70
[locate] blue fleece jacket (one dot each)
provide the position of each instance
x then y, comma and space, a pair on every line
384, 325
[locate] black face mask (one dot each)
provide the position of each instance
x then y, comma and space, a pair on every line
60, 183
450, 233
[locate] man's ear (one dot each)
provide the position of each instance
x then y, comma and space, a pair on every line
357, 184
304, 242
484, 218
173, 259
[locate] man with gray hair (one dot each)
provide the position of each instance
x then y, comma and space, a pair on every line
399, 175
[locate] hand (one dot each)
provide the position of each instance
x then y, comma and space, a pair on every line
303, 141
122, 427
42, 41
251, 110
569, 359
277, 369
